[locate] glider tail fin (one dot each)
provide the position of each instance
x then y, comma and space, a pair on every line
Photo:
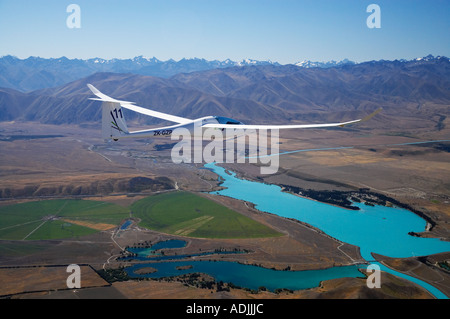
114, 125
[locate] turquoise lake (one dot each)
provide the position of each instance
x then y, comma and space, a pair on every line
245, 276
375, 229
378, 229
167, 244
248, 276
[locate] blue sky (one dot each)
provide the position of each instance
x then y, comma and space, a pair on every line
285, 31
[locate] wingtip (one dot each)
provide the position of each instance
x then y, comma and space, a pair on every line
93, 89
368, 117
103, 97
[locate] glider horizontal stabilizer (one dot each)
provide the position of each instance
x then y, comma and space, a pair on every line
164, 116
129, 105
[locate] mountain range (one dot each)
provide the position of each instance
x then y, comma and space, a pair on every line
413, 93
36, 73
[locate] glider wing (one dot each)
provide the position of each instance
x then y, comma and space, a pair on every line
294, 126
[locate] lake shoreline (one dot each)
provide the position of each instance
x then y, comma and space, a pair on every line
337, 198
340, 199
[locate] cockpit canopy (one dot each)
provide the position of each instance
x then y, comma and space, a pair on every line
226, 120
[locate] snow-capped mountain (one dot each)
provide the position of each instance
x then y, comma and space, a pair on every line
327, 64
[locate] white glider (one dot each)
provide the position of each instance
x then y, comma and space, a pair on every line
114, 125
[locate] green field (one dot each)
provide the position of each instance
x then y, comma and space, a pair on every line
178, 213
56, 219
187, 214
